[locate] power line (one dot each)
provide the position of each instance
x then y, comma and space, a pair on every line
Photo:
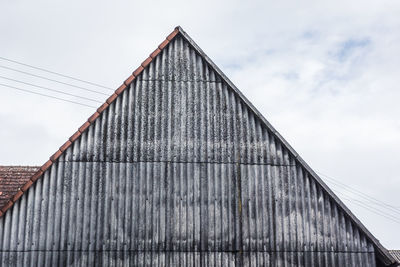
36, 93
361, 204
53, 90
386, 213
389, 208
361, 194
38, 76
389, 214
56, 73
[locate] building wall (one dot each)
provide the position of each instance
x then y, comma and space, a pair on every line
179, 171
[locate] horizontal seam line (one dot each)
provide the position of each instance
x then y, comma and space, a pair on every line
188, 251
166, 161
169, 80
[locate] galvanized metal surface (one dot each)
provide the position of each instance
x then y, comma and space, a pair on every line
180, 171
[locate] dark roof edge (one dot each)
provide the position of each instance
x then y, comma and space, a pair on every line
385, 255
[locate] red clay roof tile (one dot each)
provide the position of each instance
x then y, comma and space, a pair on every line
84, 126
37, 175
111, 98
163, 44
26, 185
122, 87
146, 62
138, 71
172, 34
7, 206
17, 195
93, 117
155, 53
102, 107
55, 155
65, 146
43, 168
75, 136
127, 82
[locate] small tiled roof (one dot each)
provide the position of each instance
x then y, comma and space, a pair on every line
11, 179
395, 254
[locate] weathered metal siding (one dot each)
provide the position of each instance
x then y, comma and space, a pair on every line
179, 171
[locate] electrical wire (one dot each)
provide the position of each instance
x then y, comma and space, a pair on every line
361, 194
365, 198
368, 205
56, 73
361, 204
54, 97
52, 90
45, 78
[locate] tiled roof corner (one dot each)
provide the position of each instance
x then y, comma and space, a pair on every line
13, 182
86, 125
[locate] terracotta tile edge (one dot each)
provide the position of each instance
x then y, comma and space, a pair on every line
74, 136
90, 120
138, 71
56, 155
127, 82
93, 117
111, 98
102, 107
155, 53
7, 206
17, 195
146, 62
173, 34
84, 126
27, 185
65, 146
44, 167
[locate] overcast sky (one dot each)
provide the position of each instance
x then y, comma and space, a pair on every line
325, 75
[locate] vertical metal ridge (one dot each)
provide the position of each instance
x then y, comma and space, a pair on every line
179, 171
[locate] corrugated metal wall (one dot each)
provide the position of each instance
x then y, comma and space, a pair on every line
178, 171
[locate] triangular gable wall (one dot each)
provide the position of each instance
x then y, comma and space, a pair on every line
181, 161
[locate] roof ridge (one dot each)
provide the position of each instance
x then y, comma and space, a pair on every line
33, 166
89, 121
